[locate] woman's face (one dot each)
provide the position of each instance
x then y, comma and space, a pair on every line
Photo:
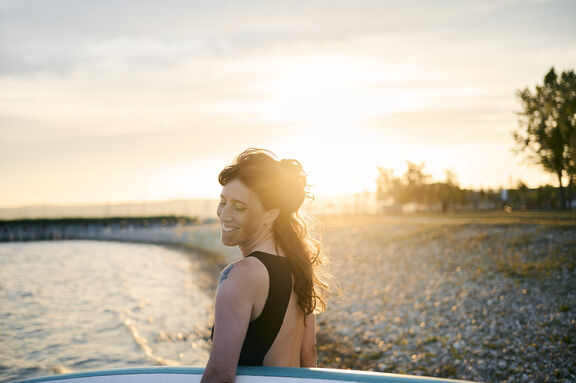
242, 217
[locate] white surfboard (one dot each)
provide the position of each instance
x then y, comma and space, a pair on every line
244, 375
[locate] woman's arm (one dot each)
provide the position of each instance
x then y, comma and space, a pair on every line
308, 353
233, 308
240, 283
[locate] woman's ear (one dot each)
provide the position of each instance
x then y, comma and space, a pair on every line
272, 215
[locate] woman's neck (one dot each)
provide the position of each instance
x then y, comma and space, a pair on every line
265, 243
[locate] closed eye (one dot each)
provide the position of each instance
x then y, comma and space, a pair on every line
238, 206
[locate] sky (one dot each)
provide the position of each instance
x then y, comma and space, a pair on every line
138, 100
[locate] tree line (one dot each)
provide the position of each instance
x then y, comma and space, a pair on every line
545, 137
417, 187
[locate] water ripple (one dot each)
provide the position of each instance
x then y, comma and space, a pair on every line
79, 305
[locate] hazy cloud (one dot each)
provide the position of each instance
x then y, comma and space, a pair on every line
66, 35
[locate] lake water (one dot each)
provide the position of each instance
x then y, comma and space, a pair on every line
83, 305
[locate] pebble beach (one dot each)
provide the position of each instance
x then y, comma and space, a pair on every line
488, 298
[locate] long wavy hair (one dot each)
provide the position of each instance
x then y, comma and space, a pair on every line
282, 184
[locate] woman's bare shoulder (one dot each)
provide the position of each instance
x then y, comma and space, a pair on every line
246, 270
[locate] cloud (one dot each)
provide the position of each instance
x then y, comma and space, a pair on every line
448, 126
60, 37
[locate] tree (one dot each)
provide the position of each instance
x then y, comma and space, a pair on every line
546, 132
447, 192
411, 187
415, 182
415, 186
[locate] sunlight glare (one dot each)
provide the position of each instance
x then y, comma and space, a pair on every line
335, 92
338, 162
326, 102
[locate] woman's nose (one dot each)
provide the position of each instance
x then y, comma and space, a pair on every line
224, 213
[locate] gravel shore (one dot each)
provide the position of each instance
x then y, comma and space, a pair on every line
486, 301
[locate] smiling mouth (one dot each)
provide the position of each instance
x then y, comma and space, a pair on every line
229, 228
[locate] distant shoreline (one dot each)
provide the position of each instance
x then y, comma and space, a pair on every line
202, 208
183, 232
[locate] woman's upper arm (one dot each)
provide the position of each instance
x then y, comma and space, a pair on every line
233, 307
308, 353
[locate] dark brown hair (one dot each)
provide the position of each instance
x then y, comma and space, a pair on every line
281, 184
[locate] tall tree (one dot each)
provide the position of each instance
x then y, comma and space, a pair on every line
546, 131
416, 183
569, 90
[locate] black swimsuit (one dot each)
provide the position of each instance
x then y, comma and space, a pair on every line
263, 330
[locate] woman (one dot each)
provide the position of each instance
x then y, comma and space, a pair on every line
265, 302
